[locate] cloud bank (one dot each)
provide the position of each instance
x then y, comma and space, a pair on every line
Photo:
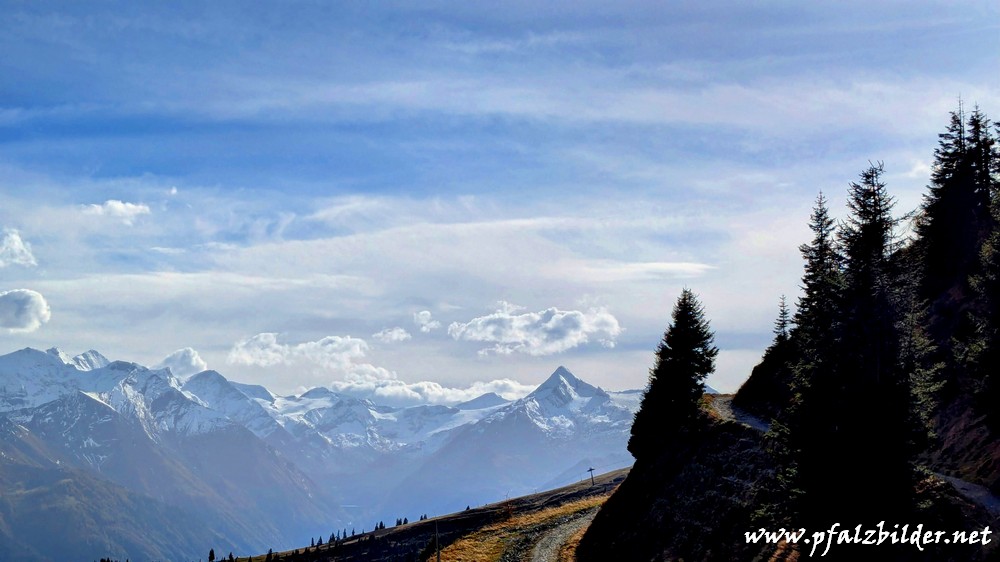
23, 310
394, 392
538, 333
346, 357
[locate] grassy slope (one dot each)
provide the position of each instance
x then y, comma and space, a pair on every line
471, 529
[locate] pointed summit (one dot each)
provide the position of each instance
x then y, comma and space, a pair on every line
207, 377
89, 360
563, 382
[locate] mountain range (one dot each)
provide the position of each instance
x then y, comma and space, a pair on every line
106, 458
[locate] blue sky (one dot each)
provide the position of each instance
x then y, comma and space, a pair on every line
428, 201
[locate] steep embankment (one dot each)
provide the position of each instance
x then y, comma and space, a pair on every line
696, 502
693, 502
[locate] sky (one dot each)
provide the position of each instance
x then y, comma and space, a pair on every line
421, 202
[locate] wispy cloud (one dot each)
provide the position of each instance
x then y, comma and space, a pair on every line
431, 159
14, 250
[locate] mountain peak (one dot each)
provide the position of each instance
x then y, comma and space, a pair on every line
30, 356
318, 392
206, 376
89, 360
487, 400
59, 354
562, 378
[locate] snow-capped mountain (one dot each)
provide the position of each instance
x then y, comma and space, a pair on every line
265, 470
135, 428
556, 432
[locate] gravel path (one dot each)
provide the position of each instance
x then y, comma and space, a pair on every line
974, 492
547, 548
722, 403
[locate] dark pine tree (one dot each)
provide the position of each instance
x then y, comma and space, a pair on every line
798, 431
768, 389
783, 324
955, 220
864, 461
671, 407
984, 351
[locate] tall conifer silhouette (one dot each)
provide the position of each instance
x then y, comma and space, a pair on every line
671, 405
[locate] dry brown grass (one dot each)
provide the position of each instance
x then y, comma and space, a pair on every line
487, 544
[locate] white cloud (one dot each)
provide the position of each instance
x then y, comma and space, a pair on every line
184, 362
14, 250
23, 310
342, 355
346, 358
538, 333
395, 392
392, 335
425, 321
113, 208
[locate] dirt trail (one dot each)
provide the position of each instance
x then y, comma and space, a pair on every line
975, 493
547, 548
723, 405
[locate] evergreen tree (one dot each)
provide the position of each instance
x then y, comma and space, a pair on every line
783, 324
984, 351
670, 407
767, 392
955, 217
860, 403
815, 316
797, 435
211, 555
